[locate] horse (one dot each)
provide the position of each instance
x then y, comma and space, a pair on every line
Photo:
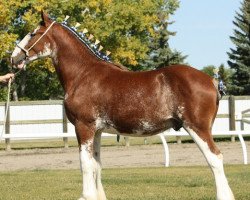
101, 95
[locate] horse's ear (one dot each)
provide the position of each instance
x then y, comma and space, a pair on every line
45, 18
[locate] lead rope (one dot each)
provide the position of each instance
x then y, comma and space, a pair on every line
7, 109
7, 106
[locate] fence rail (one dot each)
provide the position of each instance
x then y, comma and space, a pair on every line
239, 134
47, 119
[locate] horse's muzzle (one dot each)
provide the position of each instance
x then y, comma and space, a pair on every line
18, 61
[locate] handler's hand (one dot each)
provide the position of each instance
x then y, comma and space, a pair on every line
5, 78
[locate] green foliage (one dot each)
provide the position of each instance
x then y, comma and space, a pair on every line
7, 36
160, 54
209, 70
124, 27
38, 83
239, 58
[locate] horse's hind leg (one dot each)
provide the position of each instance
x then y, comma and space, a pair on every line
97, 146
214, 158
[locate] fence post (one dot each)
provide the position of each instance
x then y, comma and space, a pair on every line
65, 128
231, 104
126, 138
242, 125
178, 139
7, 129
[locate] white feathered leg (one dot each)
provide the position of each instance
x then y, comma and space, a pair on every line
97, 156
89, 172
216, 164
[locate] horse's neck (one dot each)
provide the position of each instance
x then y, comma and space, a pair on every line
72, 59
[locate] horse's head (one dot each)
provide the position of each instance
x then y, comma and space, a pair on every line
34, 45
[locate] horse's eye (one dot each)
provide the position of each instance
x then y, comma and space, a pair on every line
32, 34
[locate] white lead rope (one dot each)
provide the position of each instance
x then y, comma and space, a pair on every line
10, 80
6, 109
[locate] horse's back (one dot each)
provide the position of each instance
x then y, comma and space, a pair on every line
182, 80
180, 83
188, 80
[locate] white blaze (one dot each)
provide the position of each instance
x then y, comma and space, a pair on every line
21, 44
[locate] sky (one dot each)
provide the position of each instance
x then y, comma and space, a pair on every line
203, 29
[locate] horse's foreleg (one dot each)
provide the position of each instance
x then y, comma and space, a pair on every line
214, 158
97, 156
87, 162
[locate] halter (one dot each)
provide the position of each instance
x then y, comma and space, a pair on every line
27, 50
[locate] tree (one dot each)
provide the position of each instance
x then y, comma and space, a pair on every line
40, 84
209, 70
160, 54
124, 27
16, 20
239, 58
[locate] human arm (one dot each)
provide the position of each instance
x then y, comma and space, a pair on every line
5, 78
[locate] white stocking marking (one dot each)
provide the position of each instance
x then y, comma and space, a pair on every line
88, 168
216, 163
97, 156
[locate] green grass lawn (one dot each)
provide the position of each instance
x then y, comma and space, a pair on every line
183, 183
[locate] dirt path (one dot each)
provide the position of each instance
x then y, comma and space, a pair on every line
113, 157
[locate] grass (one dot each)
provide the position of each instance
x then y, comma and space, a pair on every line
175, 183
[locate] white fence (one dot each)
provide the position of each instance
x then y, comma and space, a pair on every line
47, 119
239, 134
233, 111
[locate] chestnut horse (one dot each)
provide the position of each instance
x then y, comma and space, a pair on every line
100, 94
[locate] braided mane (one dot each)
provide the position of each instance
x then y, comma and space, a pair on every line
95, 51
87, 43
